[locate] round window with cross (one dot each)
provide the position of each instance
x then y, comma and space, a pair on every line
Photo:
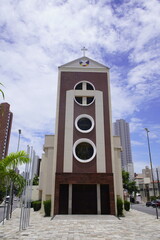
82, 97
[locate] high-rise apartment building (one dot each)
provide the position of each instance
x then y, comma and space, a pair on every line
5, 128
121, 128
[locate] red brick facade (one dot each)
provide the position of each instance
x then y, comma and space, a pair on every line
84, 173
68, 81
5, 128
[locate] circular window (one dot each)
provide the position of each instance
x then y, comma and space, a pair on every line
84, 150
84, 123
84, 100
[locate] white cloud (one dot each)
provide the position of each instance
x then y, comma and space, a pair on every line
123, 103
38, 35
136, 125
136, 143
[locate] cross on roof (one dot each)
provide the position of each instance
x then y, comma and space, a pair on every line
84, 49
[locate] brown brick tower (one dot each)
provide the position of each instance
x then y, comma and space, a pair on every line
5, 128
84, 179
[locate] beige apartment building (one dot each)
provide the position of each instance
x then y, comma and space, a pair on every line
145, 184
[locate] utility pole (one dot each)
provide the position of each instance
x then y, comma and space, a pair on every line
150, 158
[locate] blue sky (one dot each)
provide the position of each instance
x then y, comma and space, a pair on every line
37, 36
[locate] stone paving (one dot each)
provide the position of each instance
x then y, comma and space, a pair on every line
135, 225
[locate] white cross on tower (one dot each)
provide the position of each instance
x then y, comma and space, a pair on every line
84, 49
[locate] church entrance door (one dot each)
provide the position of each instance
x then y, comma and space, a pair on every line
63, 199
105, 200
84, 199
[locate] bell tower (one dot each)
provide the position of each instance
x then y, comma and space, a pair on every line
84, 179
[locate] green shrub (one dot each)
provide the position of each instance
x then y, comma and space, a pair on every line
126, 205
119, 207
36, 205
47, 207
153, 198
32, 204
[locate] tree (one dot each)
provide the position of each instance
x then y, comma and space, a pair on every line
35, 180
132, 187
128, 184
8, 173
2, 91
125, 177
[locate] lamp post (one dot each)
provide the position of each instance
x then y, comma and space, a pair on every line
150, 158
19, 131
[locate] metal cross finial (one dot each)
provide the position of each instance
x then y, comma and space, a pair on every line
84, 49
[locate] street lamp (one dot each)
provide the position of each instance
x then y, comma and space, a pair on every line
150, 158
19, 131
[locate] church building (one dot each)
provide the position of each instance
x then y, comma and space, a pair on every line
86, 176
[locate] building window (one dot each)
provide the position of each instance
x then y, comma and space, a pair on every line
78, 86
79, 100
84, 123
90, 100
89, 86
84, 150
84, 100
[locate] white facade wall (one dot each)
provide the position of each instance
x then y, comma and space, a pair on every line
46, 169
35, 193
117, 167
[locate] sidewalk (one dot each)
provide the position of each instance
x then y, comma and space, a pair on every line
135, 225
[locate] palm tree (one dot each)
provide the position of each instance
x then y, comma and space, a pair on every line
8, 173
2, 91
